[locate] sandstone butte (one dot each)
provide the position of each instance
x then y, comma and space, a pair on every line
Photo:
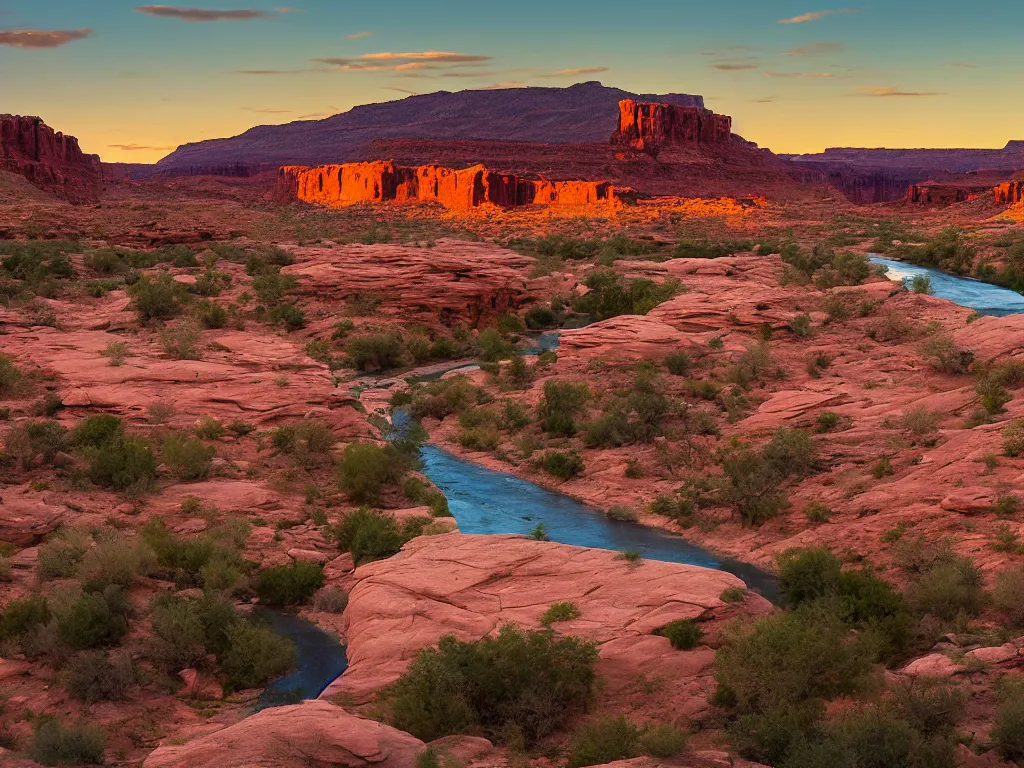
648, 126
49, 159
383, 181
934, 193
1009, 192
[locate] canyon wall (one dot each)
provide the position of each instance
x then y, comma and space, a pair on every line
647, 126
1009, 192
932, 193
49, 159
384, 181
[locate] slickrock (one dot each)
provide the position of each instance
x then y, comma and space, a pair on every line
932, 665
471, 585
623, 337
25, 520
310, 733
458, 189
49, 159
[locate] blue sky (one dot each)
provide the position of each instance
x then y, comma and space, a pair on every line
133, 81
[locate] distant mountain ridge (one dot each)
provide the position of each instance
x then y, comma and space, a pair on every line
1009, 158
582, 113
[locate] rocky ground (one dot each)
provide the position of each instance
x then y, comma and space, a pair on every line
265, 403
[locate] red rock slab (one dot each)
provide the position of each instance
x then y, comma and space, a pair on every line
471, 585
993, 337
24, 521
311, 733
623, 337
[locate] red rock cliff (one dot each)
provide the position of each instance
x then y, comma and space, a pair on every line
937, 193
1009, 192
48, 159
383, 181
647, 126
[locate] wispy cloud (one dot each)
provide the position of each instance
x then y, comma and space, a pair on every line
359, 35
406, 91
799, 74
764, 100
962, 65
274, 72
266, 110
138, 147
439, 56
203, 14
816, 49
502, 86
815, 15
580, 71
732, 66
41, 38
889, 91
411, 61
316, 116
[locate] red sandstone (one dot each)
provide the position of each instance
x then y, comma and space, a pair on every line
383, 181
649, 125
49, 159
1009, 192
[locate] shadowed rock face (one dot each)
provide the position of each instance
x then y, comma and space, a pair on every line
931, 193
1009, 192
48, 159
384, 181
649, 125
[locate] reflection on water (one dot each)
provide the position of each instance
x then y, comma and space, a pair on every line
320, 660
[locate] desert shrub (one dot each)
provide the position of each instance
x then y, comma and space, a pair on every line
610, 295
443, 398
377, 351
57, 744
289, 584
678, 363
826, 421
943, 354
921, 284
211, 560
287, 314
271, 287
330, 600
560, 612
534, 682
62, 551
790, 452
211, 315
184, 631
921, 421
308, 441
1013, 438
663, 740
604, 740
209, 428
255, 655
188, 458
753, 365
365, 469
157, 299
21, 616
564, 465
538, 318
115, 559
753, 486
35, 441
94, 620
182, 342
1008, 595
950, 589
10, 374
1008, 733
369, 535
93, 676
514, 415
561, 402
482, 438
733, 595
801, 326
684, 634
609, 430
929, 706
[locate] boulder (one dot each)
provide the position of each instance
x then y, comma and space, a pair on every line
932, 665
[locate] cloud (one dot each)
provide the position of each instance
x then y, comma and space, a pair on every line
502, 86
440, 56
580, 71
405, 62
764, 100
273, 72
316, 116
890, 90
406, 91
359, 35
267, 111
815, 49
798, 74
138, 147
815, 15
962, 65
41, 38
732, 66
202, 14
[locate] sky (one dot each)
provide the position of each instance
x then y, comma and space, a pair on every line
132, 81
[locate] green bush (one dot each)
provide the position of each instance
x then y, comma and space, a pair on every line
1008, 595
443, 398
58, 744
610, 295
492, 346
21, 616
561, 402
62, 551
538, 318
308, 441
807, 574
157, 299
211, 315
289, 585
255, 655
330, 600
93, 676
943, 354
790, 452
369, 535
678, 363
1008, 733
377, 351
365, 469
94, 620
826, 421
185, 631
1013, 438
96, 431
604, 740
684, 634
534, 682
949, 590
10, 374
35, 441
564, 465
122, 463
211, 560
663, 740
560, 612
115, 559
188, 458
929, 706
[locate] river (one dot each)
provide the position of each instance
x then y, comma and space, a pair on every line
983, 298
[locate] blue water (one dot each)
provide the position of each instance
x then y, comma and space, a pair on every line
983, 298
320, 659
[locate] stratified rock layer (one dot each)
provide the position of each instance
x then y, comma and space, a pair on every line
648, 126
384, 181
935, 193
49, 159
1009, 192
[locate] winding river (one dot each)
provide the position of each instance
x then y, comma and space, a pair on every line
983, 298
484, 501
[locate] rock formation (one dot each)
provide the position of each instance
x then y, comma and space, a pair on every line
384, 181
49, 159
648, 125
1009, 192
937, 193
